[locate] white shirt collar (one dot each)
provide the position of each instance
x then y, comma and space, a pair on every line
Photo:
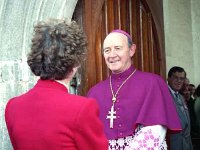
172, 91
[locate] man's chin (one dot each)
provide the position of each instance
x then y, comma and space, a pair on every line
115, 71
179, 87
113, 68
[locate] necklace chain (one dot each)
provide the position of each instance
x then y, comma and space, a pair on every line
115, 95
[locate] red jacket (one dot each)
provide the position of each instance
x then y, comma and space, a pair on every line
49, 118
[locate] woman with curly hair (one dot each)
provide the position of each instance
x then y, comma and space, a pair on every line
47, 117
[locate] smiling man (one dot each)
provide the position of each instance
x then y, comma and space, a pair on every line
135, 106
182, 140
117, 52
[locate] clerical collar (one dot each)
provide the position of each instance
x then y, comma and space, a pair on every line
172, 91
124, 74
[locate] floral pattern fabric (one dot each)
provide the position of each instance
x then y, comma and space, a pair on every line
145, 138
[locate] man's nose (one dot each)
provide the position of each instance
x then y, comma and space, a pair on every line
113, 53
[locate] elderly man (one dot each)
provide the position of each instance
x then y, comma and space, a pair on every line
135, 106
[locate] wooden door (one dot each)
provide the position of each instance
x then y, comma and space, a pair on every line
99, 17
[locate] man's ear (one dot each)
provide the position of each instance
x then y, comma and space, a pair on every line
132, 50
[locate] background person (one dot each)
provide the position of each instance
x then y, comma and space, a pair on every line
197, 107
191, 103
181, 140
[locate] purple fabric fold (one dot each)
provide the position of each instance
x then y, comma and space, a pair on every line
144, 99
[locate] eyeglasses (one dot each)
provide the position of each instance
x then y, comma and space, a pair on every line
176, 78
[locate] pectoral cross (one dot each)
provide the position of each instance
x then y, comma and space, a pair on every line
111, 115
114, 99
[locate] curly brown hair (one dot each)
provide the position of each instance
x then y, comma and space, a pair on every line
57, 47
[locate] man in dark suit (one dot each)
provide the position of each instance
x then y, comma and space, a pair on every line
181, 140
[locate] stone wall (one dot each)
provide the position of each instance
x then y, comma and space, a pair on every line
195, 5
182, 36
17, 18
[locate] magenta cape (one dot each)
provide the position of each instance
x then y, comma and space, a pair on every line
144, 99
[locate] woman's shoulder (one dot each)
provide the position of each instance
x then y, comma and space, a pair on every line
81, 101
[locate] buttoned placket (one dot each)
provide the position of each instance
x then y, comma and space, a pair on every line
115, 90
119, 124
